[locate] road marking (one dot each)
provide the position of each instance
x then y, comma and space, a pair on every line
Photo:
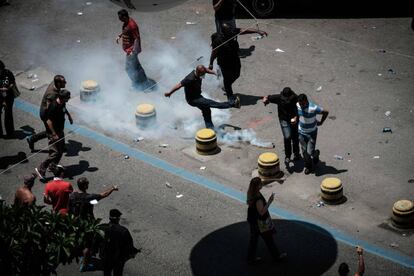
216, 186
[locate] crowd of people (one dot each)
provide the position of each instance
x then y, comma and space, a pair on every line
297, 118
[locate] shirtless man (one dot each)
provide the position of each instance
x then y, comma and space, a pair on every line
24, 195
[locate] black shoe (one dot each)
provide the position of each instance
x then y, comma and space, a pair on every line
40, 174
281, 257
316, 157
237, 103
307, 171
31, 143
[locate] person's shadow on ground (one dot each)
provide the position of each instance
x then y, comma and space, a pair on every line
311, 251
248, 99
322, 169
74, 147
78, 169
295, 166
6, 161
246, 52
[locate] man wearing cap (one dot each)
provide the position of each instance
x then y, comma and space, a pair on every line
55, 124
118, 245
57, 191
59, 83
24, 195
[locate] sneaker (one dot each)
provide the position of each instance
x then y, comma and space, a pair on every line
39, 174
31, 143
237, 103
281, 256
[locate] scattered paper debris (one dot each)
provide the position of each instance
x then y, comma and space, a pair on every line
35, 80
319, 89
388, 113
202, 168
32, 88
197, 12
379, 74
126, 157
190, 23
173, 37
179, 195
88, 3
279, 50
78, 41
80, 13
168, 185
376, 157
394, 244
163, 145
93, 202
338, 157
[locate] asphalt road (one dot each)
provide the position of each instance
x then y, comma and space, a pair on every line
204, 232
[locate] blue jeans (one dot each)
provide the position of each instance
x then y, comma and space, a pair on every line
135, 71
204, 105
290, 136
308, 145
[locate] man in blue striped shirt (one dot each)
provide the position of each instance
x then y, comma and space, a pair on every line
308, 130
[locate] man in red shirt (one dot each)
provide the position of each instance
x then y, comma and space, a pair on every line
57, 192
131, 44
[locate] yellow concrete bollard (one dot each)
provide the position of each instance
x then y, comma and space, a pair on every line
403, 214
89, 90
269, 166
332, 190
206, 142
145, 116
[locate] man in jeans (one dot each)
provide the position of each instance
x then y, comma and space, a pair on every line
131, 44
286, 109
192, 90
59, 83
308, 130
55, 123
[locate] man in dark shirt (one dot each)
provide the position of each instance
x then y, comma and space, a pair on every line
81, 203
225, 12
226, 50
7, 84
117, 247
192, 90
59, 82
55, 124
287, 111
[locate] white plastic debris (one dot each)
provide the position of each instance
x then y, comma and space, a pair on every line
80, 13
136, 140
379, 74
35, 80
376, 157
173, 37
197, 12
319, 89
168, 185
93, 202
388, 113
257, 37
394, 244
33, 88
78, 41
126, 157
163, 145
202, 168
179, 195
30, 76
279, 50
338, 157
88, 3
190, 23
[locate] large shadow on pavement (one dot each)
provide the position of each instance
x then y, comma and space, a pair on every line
311, 251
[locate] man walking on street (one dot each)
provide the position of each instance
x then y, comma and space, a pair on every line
59, 83
226, 50
55, 123
192, 89
24, 195
286, 109
308, 130
131, 44
225, 12
118, 245
57, 191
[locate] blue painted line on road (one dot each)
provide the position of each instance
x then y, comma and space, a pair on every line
215, 186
